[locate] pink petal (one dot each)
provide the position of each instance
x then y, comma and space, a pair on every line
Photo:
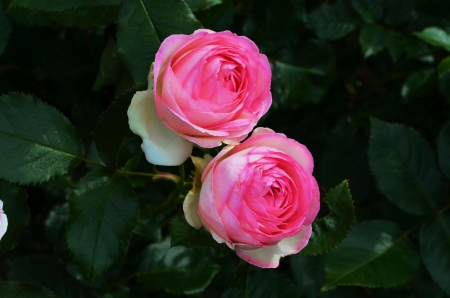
269, 257
315, 202
160, 144
279, 141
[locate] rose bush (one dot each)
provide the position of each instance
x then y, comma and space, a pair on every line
209, 88
3, 221
258, 197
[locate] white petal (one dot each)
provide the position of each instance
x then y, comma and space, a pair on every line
269, 257
3, 225
190, 207
160, 144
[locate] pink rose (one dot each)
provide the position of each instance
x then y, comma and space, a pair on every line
3, 221
258, 197
209, 88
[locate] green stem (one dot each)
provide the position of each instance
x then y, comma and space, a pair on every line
91, 162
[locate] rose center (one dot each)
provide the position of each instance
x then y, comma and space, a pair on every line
229, 76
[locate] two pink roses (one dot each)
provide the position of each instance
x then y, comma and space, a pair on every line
259, 196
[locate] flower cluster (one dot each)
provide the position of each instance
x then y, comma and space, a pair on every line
208, 89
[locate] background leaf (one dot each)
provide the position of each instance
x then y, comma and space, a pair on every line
308, 273
239, 277
18, 290
329, 231
435, 249
404, 167
176, 270
374, 254
143, 25
103, 213
435, 36
202, 4
89, 15
110, 66
370, 10
48, 5
444, 149
44, 271
36, 141
331, 21
15, 207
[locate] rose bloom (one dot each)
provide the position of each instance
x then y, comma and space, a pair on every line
209, 88
3, 221
259, 197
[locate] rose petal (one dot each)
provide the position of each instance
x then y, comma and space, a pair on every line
315, 202
279, 141
3, 224
269, 257
160, 144
190, 207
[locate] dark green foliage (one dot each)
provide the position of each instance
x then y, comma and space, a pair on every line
435, 248
405, 168
103, 213
18, 290
37, 142
177, 270
143, 25
364, 84
376, 253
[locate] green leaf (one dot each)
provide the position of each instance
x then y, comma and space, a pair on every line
110, 66
18, 290
370, 10
398, 12
271, 284
112, 134
202, 4
435, 36
91, 14
404, 167
308, 273
417, 84
372, 39
48, 5
238, 278
46, 271
329, 231
435, 248
184, 235
16, 209
55, 221
375, 253
36, 141
5, 29
103, 214
143, 25
443, 66
444, 149
26, 17
176, 270
331, 21
303, 73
